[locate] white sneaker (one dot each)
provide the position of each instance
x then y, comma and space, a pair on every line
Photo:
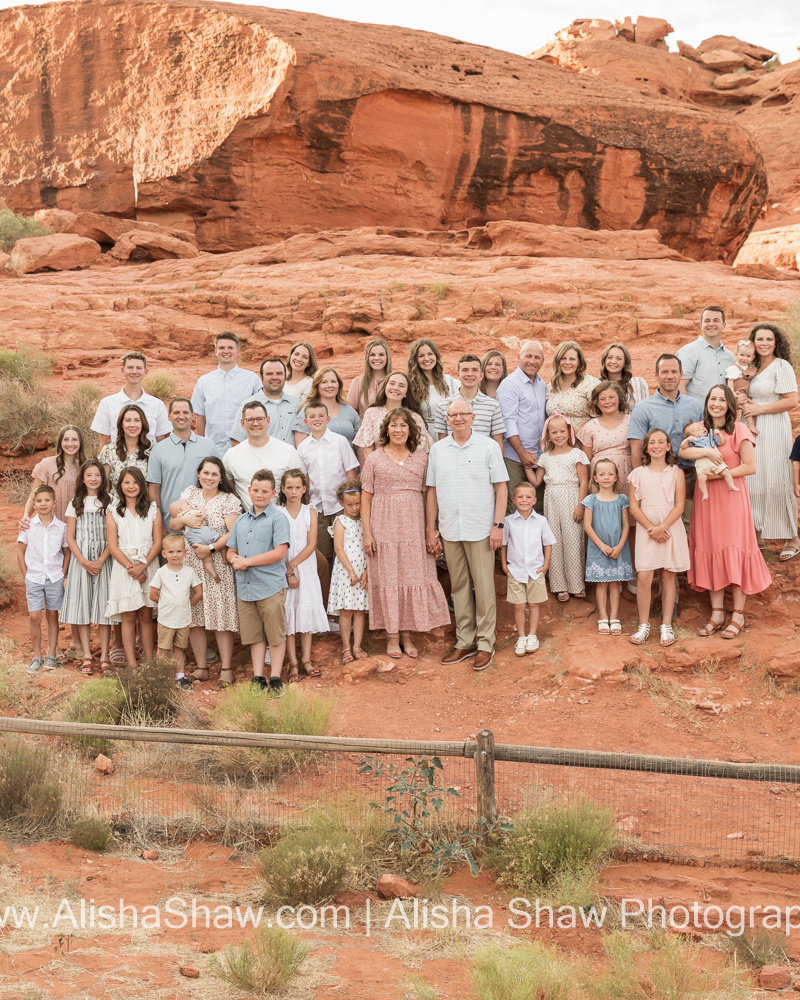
520, 646
531, 644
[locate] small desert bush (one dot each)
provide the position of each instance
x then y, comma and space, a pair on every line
92, 833
761, 948
160, 384
98, 702
791, 327
245, 709
79, 409
555, 844
15, 227
675, 970
151, 697
28, 791
8, 573
309, 866
264, 966
30, 411
523, 972
27, 366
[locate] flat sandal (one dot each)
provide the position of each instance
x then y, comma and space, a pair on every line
732, 629
711, 626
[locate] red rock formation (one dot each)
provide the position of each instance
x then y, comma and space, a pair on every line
778, 247
57, 252
248, 124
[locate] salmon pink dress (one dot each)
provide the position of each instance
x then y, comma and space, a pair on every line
722, 536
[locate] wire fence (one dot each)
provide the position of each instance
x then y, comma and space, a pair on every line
171, 784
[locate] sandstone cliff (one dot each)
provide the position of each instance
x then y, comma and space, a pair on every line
247, 125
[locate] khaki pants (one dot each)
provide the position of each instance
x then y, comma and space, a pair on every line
471, 565
516, 475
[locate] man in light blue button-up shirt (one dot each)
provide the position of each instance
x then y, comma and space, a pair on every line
218, 395
522, 397
706, 359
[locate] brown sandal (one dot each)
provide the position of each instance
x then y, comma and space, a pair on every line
347, 656
310, 670
105, 666
711, 626
359, 653
732, 629
294, 673
87, 665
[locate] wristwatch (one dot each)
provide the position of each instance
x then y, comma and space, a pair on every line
498, 524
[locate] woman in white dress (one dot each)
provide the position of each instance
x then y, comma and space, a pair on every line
773, 392
429, 383
301, 366
304, 611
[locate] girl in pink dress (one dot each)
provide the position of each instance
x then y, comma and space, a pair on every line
722, 536
658, 495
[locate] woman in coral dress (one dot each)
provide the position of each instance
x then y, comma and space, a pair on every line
404, 593
722, 537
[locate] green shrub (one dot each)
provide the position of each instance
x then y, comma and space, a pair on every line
676, 970
150, 693
26, 366
554, 839
791, 327
15, 227
98, 702
263, 967
79, 409
161, 384
245, 709
25, 414
8, 574
761, 948
523, 972
92, 833
309, 866
27, 789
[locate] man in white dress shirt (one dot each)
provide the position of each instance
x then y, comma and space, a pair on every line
134, 369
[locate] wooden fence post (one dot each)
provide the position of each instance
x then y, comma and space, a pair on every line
484, 769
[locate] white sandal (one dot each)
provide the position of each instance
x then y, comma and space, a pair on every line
616, 626
667, 635
603, 626
642, 634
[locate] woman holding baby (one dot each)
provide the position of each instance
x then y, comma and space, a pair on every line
722, 538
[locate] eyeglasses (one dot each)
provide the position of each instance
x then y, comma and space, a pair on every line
459, 416
254, 420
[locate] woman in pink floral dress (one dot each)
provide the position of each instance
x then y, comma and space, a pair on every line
404, 593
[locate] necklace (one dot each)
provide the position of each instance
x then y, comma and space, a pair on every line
396, 460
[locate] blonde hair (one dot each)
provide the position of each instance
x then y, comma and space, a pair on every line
594, 486
368, 375
557, 377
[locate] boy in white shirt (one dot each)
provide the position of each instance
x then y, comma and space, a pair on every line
43, 558
525, 556
327, 459
174, 589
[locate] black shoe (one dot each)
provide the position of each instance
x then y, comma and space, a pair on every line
276, 687
184, 683
259, 682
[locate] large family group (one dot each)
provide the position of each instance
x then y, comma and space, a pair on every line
281, 507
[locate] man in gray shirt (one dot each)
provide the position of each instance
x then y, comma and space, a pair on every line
280, 406
706, 360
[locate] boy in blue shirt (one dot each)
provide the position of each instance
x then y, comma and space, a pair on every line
257, 548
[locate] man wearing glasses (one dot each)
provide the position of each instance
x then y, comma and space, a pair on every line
280, 406
258, 451
467, 490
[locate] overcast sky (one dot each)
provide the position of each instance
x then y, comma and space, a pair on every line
523, 25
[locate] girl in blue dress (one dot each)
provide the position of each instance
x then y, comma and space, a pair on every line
608, 556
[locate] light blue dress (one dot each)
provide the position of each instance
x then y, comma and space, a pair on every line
607, 525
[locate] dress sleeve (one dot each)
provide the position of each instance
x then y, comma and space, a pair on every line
368, 473
741, 432
733, 371
586, 434
580, 457
368, 431
353, 393
45, 470
589, 502
231, 505
70, 511
425, 440
634, 477
785, 378
624, 502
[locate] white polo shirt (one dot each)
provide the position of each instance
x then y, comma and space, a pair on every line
105, 420
243, 460
325, 462
526, 538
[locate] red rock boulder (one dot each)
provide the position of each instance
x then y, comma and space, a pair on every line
775, 977
395, 887
57, 252
142, 246
778, 247
313, 123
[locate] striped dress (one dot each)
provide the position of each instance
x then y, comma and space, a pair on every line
86, 596
771, 492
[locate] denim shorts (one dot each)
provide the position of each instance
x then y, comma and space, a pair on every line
45, 596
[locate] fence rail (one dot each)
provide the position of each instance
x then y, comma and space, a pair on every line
674, 808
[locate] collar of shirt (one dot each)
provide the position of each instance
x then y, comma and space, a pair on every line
702, 342
179, 440
666, 399
524, 377
451, 442
231, 371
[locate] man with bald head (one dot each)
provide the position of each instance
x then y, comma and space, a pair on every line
522, 402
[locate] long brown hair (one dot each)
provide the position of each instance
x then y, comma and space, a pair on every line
670, 457
626, 374
417, 378
311, 367
730, 417
782, 349
143, 444
81, 493
225, 485
485, 360
580, 371
604, 386
409, 401
60, 461
368, 375
142, 507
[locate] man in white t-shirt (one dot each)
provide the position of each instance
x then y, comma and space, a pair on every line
134, 369
259, 451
